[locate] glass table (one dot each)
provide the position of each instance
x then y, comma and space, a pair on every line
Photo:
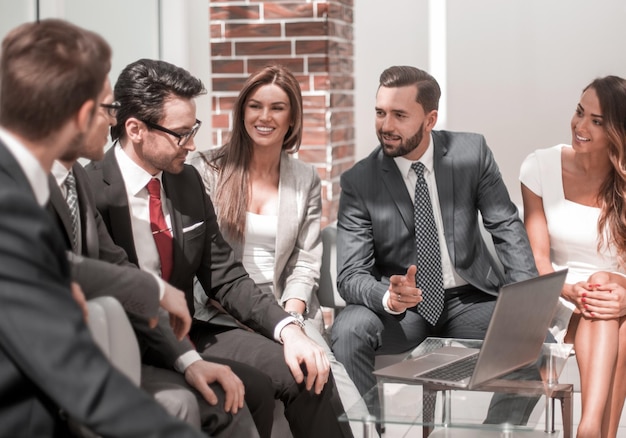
451, 411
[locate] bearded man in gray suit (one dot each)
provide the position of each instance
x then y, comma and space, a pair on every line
378, 253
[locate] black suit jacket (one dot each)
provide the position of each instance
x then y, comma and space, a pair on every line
199, 248
106, 270
376, 232
48, 360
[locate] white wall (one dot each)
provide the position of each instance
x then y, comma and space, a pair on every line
515, 68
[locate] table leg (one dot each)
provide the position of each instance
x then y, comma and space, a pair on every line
549, 427
567, 413
429, 399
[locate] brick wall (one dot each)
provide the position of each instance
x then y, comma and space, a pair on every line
314, 39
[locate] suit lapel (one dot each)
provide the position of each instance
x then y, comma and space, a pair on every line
118, 210
397, 190
13, 169
444, 175
169, 186
59, 207
288, 215
89, 232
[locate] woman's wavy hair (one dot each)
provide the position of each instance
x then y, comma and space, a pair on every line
232, 160
611, 92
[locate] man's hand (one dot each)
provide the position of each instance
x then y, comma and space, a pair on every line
402, 291
202, 373
301, 350
174, 303
79, 297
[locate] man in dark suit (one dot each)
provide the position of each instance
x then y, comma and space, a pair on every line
51, 74
216, 405
156, 124
378, 253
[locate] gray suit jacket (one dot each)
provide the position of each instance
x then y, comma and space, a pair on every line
48, 360
298, 242
104, 268
376, 235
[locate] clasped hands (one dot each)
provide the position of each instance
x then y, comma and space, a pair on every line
403, 293
598, 301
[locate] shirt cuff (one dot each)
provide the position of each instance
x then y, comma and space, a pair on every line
281, 325
161, 284
386, 307
186, 359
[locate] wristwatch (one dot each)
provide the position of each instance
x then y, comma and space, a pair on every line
299, 319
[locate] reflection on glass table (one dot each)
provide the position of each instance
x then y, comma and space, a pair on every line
506, 404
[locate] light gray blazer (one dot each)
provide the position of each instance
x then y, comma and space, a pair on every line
298, 242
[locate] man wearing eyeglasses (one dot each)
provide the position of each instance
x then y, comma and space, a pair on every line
102, 268
156, 208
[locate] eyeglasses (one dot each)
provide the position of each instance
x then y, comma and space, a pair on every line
111, 108
184, 138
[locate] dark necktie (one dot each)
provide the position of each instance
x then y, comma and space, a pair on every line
160, 231
429, 277
72, 203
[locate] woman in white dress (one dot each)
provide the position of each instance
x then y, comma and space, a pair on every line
269, 204
575, 214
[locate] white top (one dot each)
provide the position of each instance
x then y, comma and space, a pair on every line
572, 227
259, 251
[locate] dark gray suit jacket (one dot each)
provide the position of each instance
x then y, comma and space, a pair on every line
48, 360
104, 268
199, 248
375, 228
107, 271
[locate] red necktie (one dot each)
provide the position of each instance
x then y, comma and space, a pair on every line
161, 233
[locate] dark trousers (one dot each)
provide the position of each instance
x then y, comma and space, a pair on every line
308, 414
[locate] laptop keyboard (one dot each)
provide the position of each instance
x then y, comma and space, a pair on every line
455, 371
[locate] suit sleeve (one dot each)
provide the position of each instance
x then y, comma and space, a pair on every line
136, 290
42, 333
356, 269
302, 271
501, 219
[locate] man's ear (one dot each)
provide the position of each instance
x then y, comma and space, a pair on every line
431, 119
85, 115
135, 129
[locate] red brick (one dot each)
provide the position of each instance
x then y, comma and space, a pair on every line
295, 65
215, 30
341, 152
263, 48
312, 47
342, 118
221, 49
317, 137
342, 134
321, 82
341, 82
220, 66
318, 64
228, 84
221, 121
314, 120
274, 10
234, 12
226, 103
313, 102
252, 30
312, 155
306, 28
339, 100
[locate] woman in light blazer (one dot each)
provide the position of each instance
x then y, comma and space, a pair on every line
268, 203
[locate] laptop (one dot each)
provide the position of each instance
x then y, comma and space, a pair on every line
514, 338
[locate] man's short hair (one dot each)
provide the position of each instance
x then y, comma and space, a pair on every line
48, 70
143, 87
428, 91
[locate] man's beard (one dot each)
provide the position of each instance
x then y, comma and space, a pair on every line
404, 148
72, 153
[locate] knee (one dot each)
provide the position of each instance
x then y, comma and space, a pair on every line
356, 325
600, 277
181, 404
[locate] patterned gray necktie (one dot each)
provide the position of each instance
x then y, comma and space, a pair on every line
72, 203
429, 277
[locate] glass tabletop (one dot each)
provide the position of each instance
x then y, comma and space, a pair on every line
511, 402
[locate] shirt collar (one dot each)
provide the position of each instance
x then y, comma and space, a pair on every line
59, 172
427, 159
135, 177
35, 174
